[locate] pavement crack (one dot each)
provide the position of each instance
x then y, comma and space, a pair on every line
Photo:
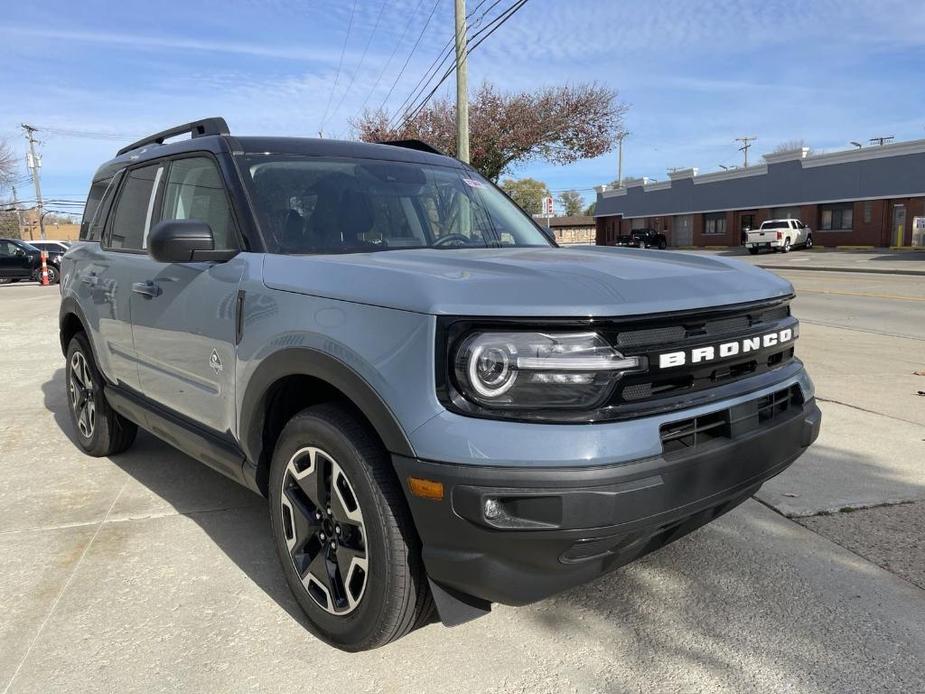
63, 590
867, 411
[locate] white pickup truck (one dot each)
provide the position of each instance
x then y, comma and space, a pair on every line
779, 235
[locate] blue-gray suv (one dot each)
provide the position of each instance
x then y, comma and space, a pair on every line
444, 409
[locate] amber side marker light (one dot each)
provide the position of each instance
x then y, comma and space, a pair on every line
426, 489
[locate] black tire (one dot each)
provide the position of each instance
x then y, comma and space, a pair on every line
108, 432
786, 248
394, 597
662, 244
53, 276
753, 251
809, 242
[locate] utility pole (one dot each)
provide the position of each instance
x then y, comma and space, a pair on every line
18, 212
882, 140
620, 158
462, 85
34, 165
746, 143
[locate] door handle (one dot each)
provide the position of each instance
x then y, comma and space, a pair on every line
148, 289
90, 279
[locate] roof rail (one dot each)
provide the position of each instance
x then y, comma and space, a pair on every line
418, 145
198, 128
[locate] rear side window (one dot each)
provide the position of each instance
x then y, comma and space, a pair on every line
97, 190
195, 190
132, 214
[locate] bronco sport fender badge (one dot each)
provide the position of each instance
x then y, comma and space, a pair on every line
215, 362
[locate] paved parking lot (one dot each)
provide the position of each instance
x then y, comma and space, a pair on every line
150, 572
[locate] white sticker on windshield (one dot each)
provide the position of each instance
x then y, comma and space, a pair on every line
472, 183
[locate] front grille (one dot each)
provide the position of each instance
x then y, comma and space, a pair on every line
731, 423
667, 334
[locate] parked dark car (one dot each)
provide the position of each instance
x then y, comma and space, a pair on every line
20, 260
643, 238
55, 250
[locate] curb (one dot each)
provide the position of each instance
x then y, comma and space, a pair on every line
831, 268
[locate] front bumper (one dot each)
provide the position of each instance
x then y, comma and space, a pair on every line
554, 528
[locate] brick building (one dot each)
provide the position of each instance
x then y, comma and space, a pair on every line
866, 196
572, 230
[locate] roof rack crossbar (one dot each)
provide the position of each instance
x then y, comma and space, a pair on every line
198, 128
418, 145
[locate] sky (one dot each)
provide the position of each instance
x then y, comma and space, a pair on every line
696, 74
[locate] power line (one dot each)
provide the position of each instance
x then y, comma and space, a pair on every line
340, 64
445, 53
362, 57
392, 56
491, 28
413, 49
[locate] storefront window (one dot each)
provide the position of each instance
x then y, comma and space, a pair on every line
836, 217
714, 223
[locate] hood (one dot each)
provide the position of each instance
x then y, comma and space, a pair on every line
547, 282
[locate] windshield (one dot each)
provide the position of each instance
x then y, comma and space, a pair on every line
313, 205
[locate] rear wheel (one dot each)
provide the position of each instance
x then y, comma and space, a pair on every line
52, 275
809, 241
753, 251
662, 244
100, 430
343, 532
786, 248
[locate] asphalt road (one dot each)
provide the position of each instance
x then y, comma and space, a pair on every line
150, 572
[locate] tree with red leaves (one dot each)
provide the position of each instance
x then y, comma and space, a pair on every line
557, 124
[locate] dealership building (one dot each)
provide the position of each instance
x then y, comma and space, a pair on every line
860, 197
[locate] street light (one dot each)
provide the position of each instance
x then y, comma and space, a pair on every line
857, 144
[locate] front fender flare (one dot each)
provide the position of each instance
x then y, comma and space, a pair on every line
304, 361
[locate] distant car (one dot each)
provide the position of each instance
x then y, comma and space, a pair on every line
779, 235
20, 260
55, 250
643, 238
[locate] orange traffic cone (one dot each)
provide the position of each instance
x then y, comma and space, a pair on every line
44, 257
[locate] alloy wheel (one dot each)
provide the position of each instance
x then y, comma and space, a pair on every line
324, 531
83, 395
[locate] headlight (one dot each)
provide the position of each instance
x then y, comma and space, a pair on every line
533, 370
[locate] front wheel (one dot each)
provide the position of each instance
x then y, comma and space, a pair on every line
662, 244
343, 531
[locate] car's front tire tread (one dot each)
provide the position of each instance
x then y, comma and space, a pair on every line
409, 603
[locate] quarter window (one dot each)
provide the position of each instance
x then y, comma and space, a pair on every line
132, 216
714, 223
195, 191
836, 217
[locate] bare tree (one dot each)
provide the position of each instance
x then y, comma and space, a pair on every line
556, 124
7, 165
791, 145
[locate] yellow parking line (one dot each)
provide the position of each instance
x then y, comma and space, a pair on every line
868, 295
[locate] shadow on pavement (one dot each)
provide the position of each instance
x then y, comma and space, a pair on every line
197, 492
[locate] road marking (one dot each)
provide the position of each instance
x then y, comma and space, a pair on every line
895, 297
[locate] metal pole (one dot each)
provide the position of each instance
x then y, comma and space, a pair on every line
34, 165
18, 212
620, 162
462, 85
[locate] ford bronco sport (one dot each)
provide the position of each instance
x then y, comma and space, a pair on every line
444, 409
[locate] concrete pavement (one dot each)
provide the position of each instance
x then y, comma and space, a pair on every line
150, 572
873, 261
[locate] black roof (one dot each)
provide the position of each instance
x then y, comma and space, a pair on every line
209, 135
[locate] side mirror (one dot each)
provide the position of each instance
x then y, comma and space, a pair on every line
185, 241
19, 251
